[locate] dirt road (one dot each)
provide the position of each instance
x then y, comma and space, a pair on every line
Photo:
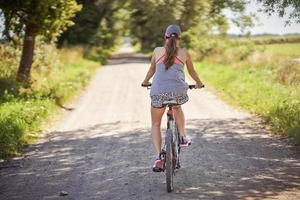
102, 149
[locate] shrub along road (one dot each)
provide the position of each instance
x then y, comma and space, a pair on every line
102, 149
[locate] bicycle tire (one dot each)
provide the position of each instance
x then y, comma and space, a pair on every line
176, 147
169, 160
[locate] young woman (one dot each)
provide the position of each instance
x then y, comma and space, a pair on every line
167, 66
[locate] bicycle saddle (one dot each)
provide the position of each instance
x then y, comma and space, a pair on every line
170, 103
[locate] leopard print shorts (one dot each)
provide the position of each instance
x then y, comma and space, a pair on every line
180, 97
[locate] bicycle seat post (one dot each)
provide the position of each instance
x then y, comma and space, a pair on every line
170, 112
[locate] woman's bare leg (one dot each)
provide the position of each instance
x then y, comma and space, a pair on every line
179, 117
156, 115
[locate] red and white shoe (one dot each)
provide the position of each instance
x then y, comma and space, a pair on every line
158, 165
185, 142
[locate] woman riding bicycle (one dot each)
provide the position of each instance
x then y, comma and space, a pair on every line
167, 66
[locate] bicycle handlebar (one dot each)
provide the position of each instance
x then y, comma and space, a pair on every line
146, 85
190, 86
194, 87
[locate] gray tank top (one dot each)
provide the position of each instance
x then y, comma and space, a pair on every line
171, 80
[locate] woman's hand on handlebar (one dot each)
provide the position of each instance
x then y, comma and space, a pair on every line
199, 85
146, 84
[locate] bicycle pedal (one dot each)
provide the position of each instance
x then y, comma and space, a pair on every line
154, 169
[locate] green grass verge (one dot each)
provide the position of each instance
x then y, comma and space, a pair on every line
256, 91
289, 49
23, 116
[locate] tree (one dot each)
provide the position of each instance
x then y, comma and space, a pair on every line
86, 22
29, 18
96, 27
281, 6
150, 17
197, 18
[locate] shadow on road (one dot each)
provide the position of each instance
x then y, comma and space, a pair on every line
124, 58
229, 159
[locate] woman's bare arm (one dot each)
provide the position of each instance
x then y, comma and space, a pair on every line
151, 71
192, 72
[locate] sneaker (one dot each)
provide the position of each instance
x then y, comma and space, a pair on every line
158, 165
185, 142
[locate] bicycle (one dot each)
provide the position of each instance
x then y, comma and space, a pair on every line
171, 150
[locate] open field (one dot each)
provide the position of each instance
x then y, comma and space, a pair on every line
265, 81
271, 39
288, 49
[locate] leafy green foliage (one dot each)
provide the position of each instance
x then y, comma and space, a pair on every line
285, 117
198, 20
29, 18
146, 26
281, 7
264, 82
57, 77
48, 17
254, 91
10, 57
17, 118
97, 26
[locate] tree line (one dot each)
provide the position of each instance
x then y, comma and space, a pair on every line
97, 24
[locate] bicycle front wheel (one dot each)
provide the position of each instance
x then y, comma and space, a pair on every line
169, 160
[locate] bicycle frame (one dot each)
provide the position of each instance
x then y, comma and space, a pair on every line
171, 149
171, 124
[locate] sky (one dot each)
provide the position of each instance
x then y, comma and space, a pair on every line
267, 24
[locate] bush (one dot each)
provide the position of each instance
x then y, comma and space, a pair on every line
285, 117
221, 50
258, 91
57, 75
97, 54
288, 72
208, 46
262, 79
17, 118
10, 57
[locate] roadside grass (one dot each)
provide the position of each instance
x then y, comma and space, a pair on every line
289, 49
271, 39
264, 82
25, 111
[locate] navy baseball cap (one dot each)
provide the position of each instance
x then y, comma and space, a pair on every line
173, 28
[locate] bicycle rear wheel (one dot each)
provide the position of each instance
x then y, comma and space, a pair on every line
169, 160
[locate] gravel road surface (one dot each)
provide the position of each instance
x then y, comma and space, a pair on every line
102, 149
